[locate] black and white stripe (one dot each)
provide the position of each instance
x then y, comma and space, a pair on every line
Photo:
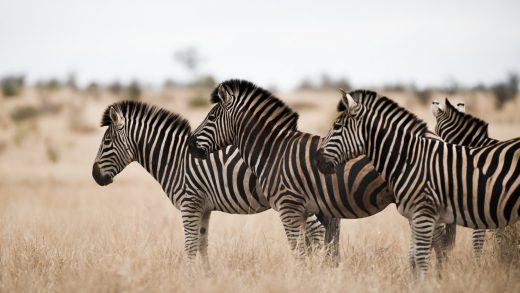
157, 139
457, 127
434, 182
264, 130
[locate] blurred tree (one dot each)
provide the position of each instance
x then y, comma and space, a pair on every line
12, 85
71, 81
506, 91
207, 81
93, 89
168, 83
115, 88
190, 59
326, 81
343, 83
306, 84
134, 91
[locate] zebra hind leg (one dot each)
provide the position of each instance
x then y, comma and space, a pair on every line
315, 234
293, 216
423, 225
478, 237
411, 258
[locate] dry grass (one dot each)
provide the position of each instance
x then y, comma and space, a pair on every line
62, 232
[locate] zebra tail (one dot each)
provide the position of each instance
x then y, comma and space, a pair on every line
450, 235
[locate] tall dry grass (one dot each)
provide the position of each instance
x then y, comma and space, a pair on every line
72, 237
61, 232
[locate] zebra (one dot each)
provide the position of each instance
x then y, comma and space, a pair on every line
433, 181
264, 130
455, 126
157, 140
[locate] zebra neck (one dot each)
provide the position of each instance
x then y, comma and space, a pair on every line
393, 151
162, 151
261, 135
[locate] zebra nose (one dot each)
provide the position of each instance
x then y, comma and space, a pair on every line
98, 175
195, 150
323, 164
192, 141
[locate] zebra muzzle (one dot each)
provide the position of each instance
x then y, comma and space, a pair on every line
325, 166
99, 177
195, 150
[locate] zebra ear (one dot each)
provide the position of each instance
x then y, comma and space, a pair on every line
117, 117
461, 107
349, 102
224, 94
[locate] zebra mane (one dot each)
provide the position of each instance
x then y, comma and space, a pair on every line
468, 119
371, 100
419, 127
365, 97
242, 88
130, 108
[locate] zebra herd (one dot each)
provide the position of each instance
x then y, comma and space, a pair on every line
248, 156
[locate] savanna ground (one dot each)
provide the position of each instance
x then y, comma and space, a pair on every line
60, 231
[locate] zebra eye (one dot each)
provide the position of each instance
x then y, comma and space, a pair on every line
212, 117
337, 125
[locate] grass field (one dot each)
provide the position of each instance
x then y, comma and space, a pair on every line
62, 232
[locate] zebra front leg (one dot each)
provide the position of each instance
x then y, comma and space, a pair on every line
191, 212
440, 245
478, 237
332, 233
423, 225
203, 248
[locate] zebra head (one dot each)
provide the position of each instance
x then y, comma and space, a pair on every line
448, 118
114, 152
216, 130
345, 139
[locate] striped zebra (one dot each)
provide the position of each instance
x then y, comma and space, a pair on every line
455, 126
264, 130
157, 140
434, 182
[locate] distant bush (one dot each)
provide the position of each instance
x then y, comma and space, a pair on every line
49, 85
169, 83
115, 88
198, 101
505, 91
326, 82
23, 113
206, 81
133, 91
71, 81
306, 84
12, 85
93, 89
396, 87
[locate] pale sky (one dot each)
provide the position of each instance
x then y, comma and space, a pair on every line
273, 43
